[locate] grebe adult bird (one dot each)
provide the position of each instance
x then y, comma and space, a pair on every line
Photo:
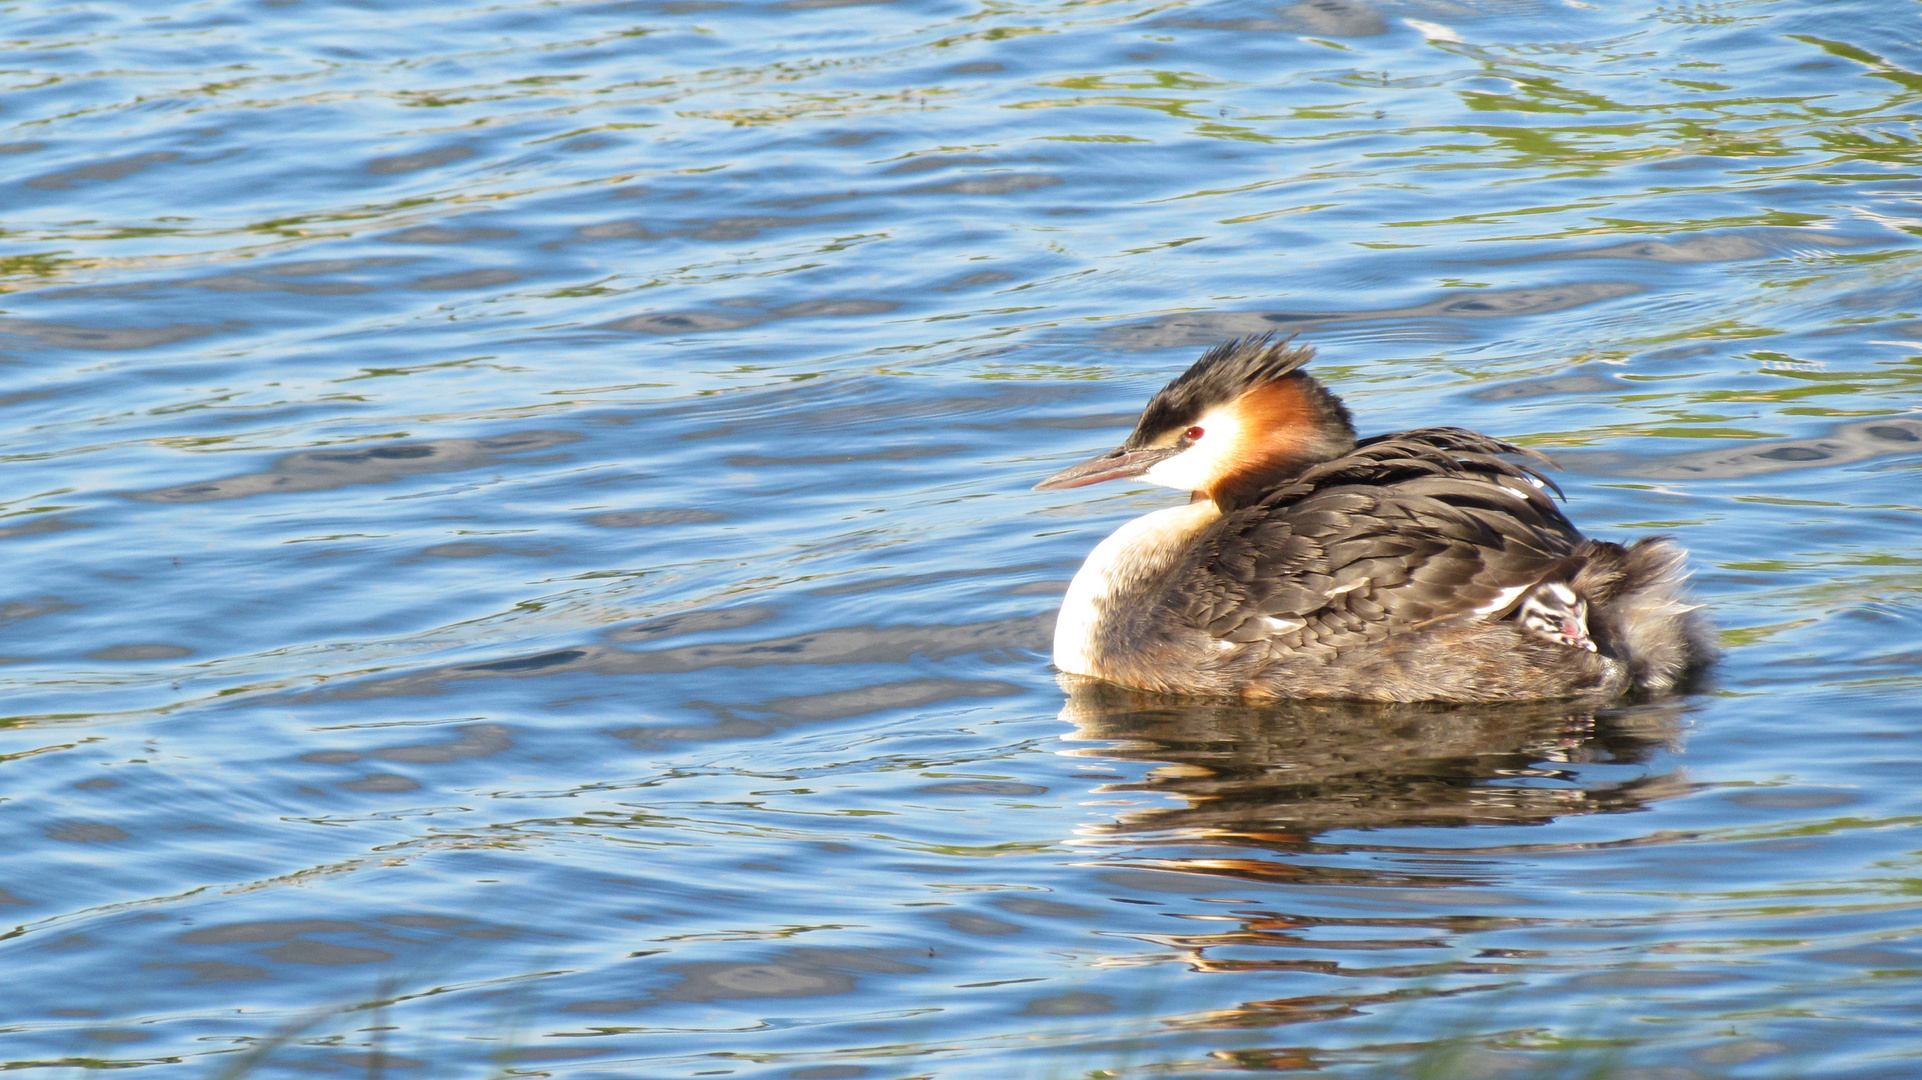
1414, 566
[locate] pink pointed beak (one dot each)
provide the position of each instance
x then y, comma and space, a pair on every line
1112, 465
1576, 634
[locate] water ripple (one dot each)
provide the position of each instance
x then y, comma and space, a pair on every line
520, 528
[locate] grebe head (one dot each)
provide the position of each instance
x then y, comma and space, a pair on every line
1242, 419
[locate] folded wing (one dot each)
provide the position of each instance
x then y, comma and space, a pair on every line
1408, 530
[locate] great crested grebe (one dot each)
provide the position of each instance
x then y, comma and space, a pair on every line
1415, 566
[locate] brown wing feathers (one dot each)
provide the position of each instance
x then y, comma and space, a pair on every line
1406, 530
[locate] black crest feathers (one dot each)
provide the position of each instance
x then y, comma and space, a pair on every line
1223, 374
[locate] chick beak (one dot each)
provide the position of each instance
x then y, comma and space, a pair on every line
1576, 634
1112, 465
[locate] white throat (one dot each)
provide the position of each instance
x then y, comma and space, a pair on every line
1116, 569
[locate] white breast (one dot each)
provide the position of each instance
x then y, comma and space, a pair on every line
1115, 570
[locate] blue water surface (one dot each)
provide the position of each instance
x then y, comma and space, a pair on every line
521, 560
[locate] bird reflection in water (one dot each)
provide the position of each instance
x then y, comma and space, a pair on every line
1248, 793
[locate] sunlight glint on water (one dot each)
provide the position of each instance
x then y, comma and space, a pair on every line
522, 559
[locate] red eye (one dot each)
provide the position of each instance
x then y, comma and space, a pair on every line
1192, 433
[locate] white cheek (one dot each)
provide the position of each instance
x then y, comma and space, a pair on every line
1203, 463
1186, 471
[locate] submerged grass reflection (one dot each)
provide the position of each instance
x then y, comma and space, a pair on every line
729, 730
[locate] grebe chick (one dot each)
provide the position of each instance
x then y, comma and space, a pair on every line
1415, 566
